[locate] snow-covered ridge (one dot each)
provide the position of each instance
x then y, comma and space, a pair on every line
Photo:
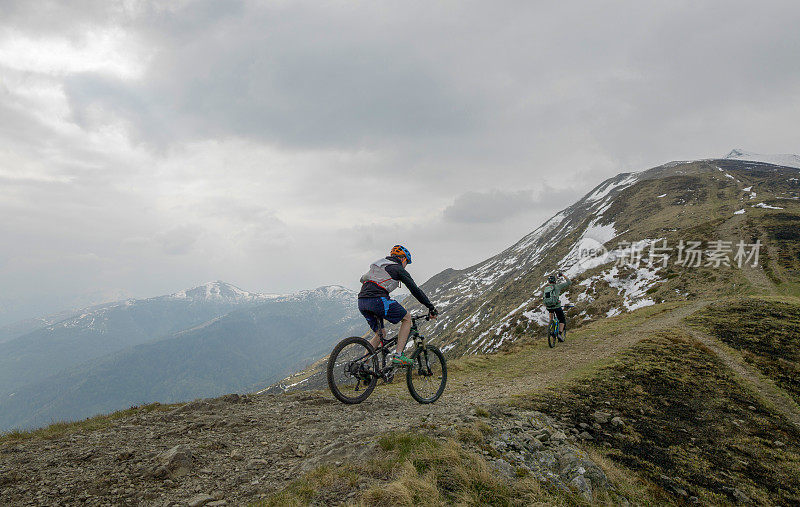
326, 292
217, 292
226, 293
786, 160
222, 292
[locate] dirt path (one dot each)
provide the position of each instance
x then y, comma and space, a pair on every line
765, 388
553, 367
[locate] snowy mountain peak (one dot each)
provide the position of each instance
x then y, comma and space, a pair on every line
220, 291
326, 291
786, 160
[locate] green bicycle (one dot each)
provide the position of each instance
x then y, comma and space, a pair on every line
553, 333
354, 368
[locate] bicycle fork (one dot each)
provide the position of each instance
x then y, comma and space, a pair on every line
424, 369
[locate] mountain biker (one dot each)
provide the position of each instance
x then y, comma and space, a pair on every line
375, 305
551, 295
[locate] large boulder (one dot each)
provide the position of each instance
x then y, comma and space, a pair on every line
174, 463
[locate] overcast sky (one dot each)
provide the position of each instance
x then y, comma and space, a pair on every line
277, 145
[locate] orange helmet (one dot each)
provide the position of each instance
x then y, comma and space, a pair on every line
401, 251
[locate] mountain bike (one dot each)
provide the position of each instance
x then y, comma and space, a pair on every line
553, 333
354, 368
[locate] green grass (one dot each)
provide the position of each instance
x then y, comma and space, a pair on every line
97, 422
689, 423
765, 330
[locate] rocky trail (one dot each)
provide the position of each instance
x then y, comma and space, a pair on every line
236, 449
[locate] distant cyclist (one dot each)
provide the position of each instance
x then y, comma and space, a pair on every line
551, 294
375, 305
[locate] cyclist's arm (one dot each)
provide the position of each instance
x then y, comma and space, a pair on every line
401, 275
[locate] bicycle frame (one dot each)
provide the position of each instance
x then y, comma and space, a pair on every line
385, 349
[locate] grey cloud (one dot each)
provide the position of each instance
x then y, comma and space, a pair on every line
322, 77
497, 206
492, 206
408, 111
179, 240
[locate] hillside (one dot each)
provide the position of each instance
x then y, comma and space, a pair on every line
254, 345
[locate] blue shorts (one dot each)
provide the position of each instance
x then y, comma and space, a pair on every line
377, 309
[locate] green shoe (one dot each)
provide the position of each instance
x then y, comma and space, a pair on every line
401, 360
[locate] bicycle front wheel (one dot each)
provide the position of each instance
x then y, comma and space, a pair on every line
351, 370
427, 375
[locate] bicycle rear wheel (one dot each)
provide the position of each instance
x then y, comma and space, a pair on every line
427, 375
351, 368
551, 333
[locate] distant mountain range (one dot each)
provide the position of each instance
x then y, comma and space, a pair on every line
785, 160
208, 340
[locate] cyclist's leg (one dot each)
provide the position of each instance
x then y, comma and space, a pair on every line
562, 321
367, 308
394, 313
375, 341
405, 329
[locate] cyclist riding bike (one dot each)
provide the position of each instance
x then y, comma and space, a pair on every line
374, 303
551, 294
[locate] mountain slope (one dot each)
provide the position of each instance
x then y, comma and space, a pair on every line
498, 300
231, 353
106, 329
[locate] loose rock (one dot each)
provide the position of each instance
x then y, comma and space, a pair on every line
201, 499
601, 417
174, 463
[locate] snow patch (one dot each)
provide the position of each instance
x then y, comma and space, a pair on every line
606, 189
765, 206
740, 212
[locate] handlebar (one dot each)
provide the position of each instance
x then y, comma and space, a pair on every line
425, 316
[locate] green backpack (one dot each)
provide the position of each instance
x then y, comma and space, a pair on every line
550, 296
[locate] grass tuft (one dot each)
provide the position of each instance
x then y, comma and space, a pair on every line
422, 471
